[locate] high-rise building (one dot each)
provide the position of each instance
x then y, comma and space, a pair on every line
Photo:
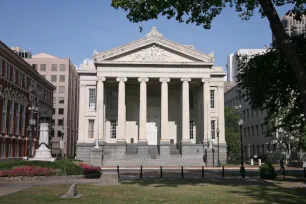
232, 63
293, 26
25, 102
62, 74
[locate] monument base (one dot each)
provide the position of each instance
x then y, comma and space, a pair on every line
43, 153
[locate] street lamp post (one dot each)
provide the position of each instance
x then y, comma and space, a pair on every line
240, 123
31, 126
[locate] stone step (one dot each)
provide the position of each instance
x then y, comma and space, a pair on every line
131, 149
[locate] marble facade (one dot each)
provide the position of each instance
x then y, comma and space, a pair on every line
151, 102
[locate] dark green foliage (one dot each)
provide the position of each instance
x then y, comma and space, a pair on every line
200, 12
268, 82
63, 165
232, 134
267, 171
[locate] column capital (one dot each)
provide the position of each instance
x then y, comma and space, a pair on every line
141, 79
124, 79
204, 80
185, 79
101, 78
164, 79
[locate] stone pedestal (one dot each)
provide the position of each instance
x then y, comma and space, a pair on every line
190, 150
96, 156
143, 149
164, 150
43, 153
108, 179
120, 149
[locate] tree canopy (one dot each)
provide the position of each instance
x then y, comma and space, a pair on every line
268, 82
232, 135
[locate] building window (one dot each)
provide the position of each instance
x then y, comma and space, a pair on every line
113, 128
253, 134
53, 78
92, 98
213, 129
274, 147
262, 129
8, 70
3, 150
243, 114
14, 74
60, 122
244, 132
12, 116
61, 100
248, 114
91, 128
54, 67
1, 66
61, 89
10, 153
53, 122
16, 149
252, 113
191, 126
17, 119
62, 78
257, 130
62, 67
212, 98
23, 119
53, 111
60, 111
248, 131
43, 67
34, 66
4, 113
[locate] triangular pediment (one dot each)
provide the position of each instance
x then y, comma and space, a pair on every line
153, 48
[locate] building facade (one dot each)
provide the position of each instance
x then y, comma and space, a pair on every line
232, 63
152, 102
25, 100
63, 75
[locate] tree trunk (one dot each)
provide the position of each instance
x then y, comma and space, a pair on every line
286, 47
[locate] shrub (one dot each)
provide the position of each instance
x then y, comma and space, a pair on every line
62, 165
90, 171
28, 171
267, 171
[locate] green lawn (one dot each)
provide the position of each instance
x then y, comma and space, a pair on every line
167, 191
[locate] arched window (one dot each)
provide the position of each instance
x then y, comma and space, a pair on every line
4, 111
23, 115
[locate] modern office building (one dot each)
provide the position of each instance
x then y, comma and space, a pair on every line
25, 102
62, 74
232, 63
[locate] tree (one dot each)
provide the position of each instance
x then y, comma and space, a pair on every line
202, 12
268, 82
232, 134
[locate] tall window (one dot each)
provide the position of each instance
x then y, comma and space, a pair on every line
213, 130
191, 125
243, 114
43, 67
3, 149
22, 149
10, 153
244, 132
12, 116
92, 98
262, 129
17, 119
14, 75
8, 69
62, 67
253, 134
53, 78
248, 114
1, 66
248, 131
62, 78
61, 100
91, 128
257, 130
54, 67
212, 98
61, 89
23, 119
113, 129
16, 149
4, 113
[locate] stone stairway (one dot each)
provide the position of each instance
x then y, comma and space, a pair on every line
153, 151
131, 149
174, 150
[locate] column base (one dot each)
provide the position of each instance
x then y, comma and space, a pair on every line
164, 149
191, 151
143, 148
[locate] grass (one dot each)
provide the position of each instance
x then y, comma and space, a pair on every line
67, 166
167, 191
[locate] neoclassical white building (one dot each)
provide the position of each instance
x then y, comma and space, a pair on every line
151, 102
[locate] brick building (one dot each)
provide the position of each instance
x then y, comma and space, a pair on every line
24, 94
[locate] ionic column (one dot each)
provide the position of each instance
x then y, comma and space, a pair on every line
206, 114
164, 109
143, 110
121, 110
185, 110
100, 107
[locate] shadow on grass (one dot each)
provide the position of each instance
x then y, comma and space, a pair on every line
260, 190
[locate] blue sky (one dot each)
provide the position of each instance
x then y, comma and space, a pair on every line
74, 28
